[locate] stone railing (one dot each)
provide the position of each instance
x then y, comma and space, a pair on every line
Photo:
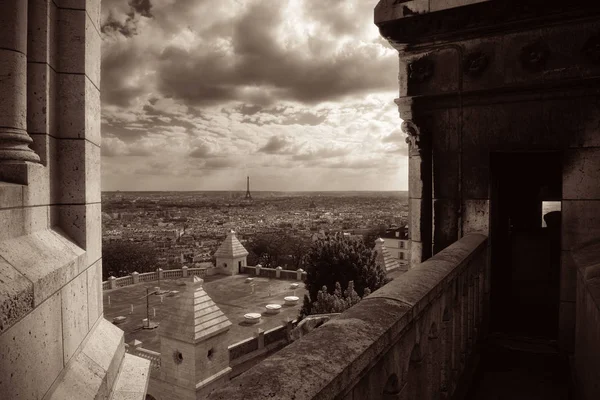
246, 353
139, 351
412, 339
278, 273
587, 325
114, 283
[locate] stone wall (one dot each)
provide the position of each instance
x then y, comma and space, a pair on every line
490, 78
412, 339
53, 339
587, 331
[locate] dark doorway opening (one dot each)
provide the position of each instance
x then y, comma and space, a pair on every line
240, 267
525, 274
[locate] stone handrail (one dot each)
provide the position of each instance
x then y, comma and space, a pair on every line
278, 272
113, 283
587, 320
411, 339
153, 356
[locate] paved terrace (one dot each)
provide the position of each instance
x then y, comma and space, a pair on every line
231, 293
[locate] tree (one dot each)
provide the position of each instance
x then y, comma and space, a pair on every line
336, 261
123, 257
335, 302
372, 235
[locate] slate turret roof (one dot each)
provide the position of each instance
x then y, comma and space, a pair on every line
194, 317
231, 247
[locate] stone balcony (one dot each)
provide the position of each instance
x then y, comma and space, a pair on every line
415, 338
425, 336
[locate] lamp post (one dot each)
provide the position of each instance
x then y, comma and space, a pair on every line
148, 325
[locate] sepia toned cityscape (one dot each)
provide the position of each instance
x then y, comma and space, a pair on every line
299, 199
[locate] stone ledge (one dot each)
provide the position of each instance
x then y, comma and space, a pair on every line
46, 258
92, 372
132, 382
16, 295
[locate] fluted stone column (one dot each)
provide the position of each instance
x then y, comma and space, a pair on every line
419, 185
14, 140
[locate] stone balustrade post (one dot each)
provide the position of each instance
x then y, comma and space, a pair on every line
184, 272
136, 277
260, 335
278, 272
160, 273
299, 274
113, 282
258, 267
14, 140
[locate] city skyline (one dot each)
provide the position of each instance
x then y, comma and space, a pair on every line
199, 95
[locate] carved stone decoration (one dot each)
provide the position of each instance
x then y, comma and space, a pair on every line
476, 63
413, 135
534, 56
420, 70
591, 49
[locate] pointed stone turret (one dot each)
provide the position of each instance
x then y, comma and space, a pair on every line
384, 257
195, 316
231, 255
193, 343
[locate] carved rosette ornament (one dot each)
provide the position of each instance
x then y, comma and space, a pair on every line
534, 56
591, 49
413, 137
476, 63
420, 70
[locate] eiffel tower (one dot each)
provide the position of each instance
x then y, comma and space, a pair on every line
248, 195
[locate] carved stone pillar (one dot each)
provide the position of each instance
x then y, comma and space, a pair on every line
419, 184
14, 140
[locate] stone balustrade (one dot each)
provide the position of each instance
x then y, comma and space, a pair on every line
412, 339
114, 283
150, 355
275, 273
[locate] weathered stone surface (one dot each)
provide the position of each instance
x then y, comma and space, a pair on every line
79, 94
16, 295
44, 259
31, 352
74, 314
82, 224
445, 223
568, 277
580, 223
13, 108
11, 195
581, 174
105, 347
94, 290
476, 216
39, 33
132, 382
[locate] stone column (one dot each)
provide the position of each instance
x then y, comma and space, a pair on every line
136, 277
113, 282
184, 271
278, 272
258, 266
14, 140
419, 181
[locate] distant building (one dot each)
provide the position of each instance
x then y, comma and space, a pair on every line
231, 255
396, 241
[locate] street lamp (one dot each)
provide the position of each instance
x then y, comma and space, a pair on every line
148, 324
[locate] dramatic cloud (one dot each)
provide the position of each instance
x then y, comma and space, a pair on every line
229, 88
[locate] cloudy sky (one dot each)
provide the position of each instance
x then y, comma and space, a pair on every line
297, 94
